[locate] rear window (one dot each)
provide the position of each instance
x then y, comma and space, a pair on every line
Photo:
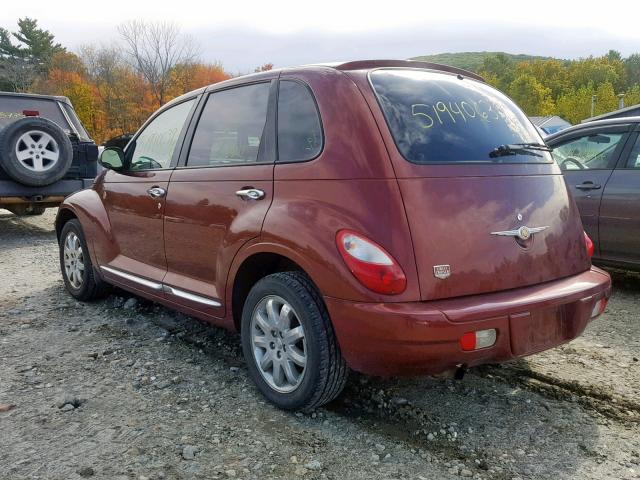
11, 109
441, 118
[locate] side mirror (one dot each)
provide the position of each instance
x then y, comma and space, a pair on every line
112, 158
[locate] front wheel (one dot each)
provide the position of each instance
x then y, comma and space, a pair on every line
75, 264
289, 343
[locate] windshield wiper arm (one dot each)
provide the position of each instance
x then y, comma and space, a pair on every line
518, 148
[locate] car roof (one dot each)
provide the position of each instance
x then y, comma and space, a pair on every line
58, 98
595, 123
342, 66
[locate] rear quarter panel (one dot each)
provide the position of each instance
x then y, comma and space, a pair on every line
351, 184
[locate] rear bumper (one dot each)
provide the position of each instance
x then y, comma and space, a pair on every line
423, 337
12, 192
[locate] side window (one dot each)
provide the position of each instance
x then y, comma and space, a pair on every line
231, 126
593, 151
299, 128
634, 156
154, 147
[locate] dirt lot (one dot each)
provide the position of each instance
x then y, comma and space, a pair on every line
126, 389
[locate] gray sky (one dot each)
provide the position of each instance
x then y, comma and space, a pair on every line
245, 34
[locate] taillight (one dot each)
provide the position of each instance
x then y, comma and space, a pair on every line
370, 263
589, 244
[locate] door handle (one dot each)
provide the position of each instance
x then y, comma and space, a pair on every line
250, 194
156, 192
588, 186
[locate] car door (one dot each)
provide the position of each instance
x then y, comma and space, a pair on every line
134, 199
620, 209
587, 159
220, 194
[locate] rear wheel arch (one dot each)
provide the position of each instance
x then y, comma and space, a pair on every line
252, 269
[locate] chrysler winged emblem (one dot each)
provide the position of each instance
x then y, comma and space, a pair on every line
523, 233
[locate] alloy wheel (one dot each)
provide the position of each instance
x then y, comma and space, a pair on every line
37, 151
73, 260
278, 344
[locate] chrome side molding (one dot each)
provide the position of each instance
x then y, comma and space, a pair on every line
133, 278
164, 288
190, 296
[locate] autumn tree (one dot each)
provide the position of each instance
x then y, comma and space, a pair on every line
154, 50
190, 76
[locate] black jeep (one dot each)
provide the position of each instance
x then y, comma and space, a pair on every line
45, 152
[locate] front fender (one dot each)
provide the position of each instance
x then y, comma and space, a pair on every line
87, 207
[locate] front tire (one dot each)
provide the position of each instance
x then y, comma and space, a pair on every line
289, 344
75, 264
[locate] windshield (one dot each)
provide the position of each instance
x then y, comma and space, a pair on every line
442, 118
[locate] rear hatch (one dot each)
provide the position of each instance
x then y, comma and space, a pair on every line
480, 221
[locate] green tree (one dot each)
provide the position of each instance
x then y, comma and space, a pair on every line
498, 67
25, 54
551, 73
614, 56
575, 105
632, 95
594, 71
606, 99
533, 97
632, 68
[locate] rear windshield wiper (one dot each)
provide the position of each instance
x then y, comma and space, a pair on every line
518, 148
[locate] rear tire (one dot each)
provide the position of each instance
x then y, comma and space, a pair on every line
313, 345
75, 264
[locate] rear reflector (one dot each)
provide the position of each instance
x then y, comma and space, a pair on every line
599, 307
478, 339
30, 113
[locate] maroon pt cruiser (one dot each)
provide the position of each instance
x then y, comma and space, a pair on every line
391, 217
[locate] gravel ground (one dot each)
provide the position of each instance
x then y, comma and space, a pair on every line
125, 389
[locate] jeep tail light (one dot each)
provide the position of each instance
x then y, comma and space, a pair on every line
478, 339
370, 263
589, 244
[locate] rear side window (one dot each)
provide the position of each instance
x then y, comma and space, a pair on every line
299, 128
11, 109
231, 127
440, 118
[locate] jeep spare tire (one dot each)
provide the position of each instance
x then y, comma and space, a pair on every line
35, 151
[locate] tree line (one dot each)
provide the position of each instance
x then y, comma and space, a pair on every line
567, 87
114, 88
